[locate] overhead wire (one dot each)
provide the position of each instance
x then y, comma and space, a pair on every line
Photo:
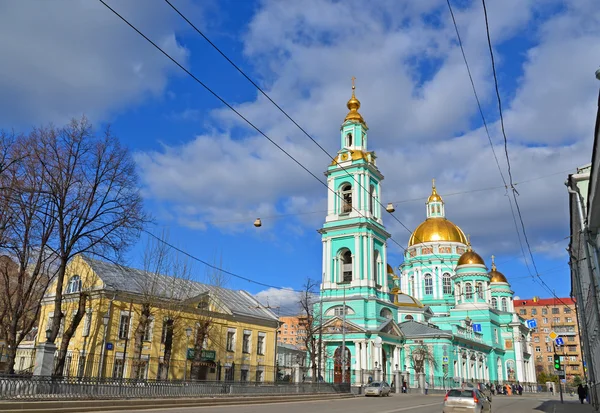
512, 186
254, 127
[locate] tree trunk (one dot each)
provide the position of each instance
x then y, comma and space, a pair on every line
68, 334
198, 347
11, 353
58, 315
139, 339
168, 349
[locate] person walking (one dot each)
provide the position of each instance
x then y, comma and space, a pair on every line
426, 387
587, 393
581, 393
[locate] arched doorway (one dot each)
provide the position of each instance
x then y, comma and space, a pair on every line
337, 366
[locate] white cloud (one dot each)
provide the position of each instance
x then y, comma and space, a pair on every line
284, 302
418, 102
65, 58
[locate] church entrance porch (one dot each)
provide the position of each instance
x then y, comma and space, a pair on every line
341, 366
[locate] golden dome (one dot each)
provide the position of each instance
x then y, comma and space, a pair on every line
353, 105
434, 197
437, 229
495, 275
470, 257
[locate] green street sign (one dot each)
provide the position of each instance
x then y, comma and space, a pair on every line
207, 355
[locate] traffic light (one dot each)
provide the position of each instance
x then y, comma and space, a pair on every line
556, 362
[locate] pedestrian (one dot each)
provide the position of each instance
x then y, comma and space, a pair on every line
520, 390
552, 389
581, 393
403, 387
587, 393
426, 387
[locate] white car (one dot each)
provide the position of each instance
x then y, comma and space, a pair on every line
466, 400
378, 388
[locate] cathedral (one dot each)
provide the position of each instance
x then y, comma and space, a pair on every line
441, 318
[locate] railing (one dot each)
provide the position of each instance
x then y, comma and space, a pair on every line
72, 388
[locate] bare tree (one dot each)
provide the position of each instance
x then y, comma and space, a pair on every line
93, 190
27, 223
310, 319
420, 355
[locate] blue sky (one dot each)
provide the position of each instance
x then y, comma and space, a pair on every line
206, 176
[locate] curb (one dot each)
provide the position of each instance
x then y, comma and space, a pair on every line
144, 404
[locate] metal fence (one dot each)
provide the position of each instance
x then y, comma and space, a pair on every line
73, 388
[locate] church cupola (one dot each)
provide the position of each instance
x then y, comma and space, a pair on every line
502, 295
435, 203
354, 128
471, 280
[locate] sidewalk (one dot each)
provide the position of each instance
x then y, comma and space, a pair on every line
569, 406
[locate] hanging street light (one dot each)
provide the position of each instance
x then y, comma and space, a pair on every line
257, 223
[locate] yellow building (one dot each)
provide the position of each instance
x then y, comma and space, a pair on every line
239, 335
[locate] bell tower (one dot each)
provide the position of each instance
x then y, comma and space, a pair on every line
354, 238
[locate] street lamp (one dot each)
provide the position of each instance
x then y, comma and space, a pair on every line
105, 320
257, 223
188, 333
48, 334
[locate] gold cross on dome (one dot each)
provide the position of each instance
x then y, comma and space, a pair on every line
493, 257
353, 80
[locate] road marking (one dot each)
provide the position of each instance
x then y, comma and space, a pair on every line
411, 407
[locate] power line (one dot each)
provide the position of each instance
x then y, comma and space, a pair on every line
261, 133
323, 149
512, 187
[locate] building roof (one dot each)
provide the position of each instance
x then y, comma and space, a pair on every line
415, 329
132, 280
534, 302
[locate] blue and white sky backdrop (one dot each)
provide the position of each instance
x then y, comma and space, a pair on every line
206, 176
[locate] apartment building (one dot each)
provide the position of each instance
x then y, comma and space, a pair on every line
292, 330
553, 315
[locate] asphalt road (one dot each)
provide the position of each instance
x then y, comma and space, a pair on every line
393, 404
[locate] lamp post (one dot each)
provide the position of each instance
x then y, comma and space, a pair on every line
188, 333
397, 379
377, 343
105, 320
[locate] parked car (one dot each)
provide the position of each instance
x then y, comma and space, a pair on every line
466, 400
378, 388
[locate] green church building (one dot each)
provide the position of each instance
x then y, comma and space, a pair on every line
444, 319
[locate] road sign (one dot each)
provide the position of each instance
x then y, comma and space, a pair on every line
477, 327
552, 335
560, 374
445, 360
531, 324
559, 341
109, 346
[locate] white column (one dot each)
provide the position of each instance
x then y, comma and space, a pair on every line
324, 280
384, 282
331, 197
365, 258
356, 262
328, 259
363, 352
518, 356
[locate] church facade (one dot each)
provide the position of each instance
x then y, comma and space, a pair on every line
443, 318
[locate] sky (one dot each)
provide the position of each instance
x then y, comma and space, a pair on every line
206, 175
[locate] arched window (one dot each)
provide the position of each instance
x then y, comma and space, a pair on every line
346, 266
386, 313
447, 283
408, 317
468, 291
504, 305
349, 139
480, 290
371, 198
346, 196
428, 284
74, 284
411, 285
339, 310
494, 303
376, 266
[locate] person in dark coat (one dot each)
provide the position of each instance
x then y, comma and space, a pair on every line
581, 393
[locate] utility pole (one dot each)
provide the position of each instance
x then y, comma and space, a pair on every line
344, 339
320, 349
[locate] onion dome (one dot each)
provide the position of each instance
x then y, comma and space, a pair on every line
470, 257
495, 275
353, 105
434, 197
437, 229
